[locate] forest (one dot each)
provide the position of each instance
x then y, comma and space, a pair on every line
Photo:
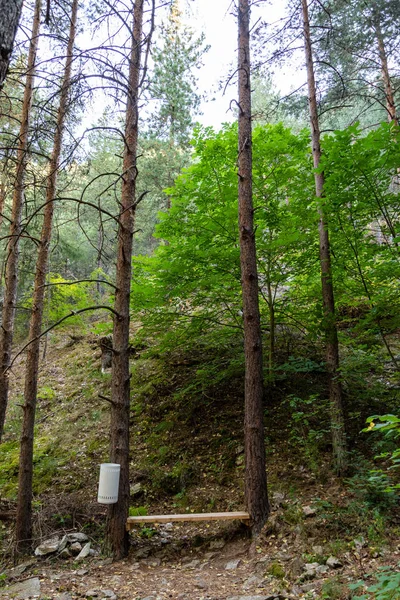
215, 308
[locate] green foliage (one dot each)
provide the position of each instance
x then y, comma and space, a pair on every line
387, 586
137, 511
389, 425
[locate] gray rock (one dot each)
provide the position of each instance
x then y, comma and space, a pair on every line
84, 553
297, 566
92, 594
250, 597
261, 565
108, 594
63, 544
318, 550
75, 548
200, 584
48, 547
278, 499
193, 564
310, 571
64, 596
322, 569
142, 553
24, 589
65, 553
217, 545
233, 564
77, 537
308, 511
309, 587
82, 572
252, 581
334, 563
136, 489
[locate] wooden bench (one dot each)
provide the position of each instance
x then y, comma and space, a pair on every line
223, 516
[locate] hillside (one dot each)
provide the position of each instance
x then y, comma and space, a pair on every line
187, 456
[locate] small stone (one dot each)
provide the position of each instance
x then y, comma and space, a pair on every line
48, 547
322, 569
318, 550
77, 537
84, 553
252, 581
92, 594
169, 526
62, 544
142, 553
310, 571
233, 564
217, 545
334, 563
309, 587
297, 566
24, 589
75, 548
82, 572
64, 596
200, 584
108, 594
65, 553
261, 565
193, 564
278, 499
136, 489
250, 597
135, 566
308, 511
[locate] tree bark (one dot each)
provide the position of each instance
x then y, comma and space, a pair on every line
256, 495
10, 12
117, 535
24, 505
329, 324
12, 253
387, 82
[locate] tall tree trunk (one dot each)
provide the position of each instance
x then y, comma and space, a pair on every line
256, 496
329, 324
117, 535
24, 506
10, 12
12, 253
387, 82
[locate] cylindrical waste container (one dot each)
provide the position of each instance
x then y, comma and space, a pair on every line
108, 483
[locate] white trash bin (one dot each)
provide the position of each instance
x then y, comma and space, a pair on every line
108, 483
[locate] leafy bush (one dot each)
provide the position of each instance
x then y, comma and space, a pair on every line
387, 586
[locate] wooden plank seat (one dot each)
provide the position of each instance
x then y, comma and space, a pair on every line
223, 516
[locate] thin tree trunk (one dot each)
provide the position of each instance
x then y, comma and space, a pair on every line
256, 496
12, 253
329, 324
10, 12
387, 82
24, 506
117, 535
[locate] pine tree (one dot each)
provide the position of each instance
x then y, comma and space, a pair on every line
24, 507
256, 495
10, 14
173, 84
12, 252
